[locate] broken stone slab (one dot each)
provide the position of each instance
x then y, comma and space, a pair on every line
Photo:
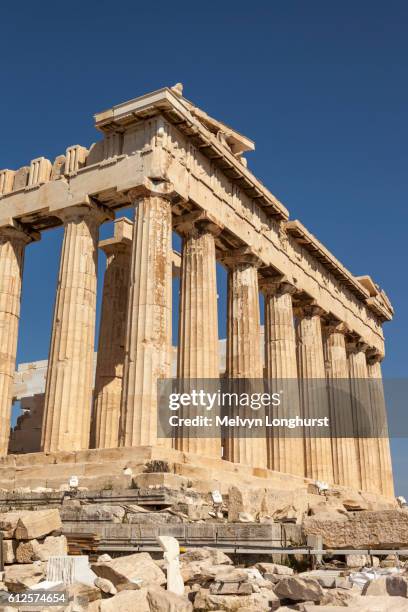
206, 601
382, 604
357, 561
327, 507
8, 523
287, 505
231, 588
389, 561
126, 601
94, 512
326, 579
152, 518
130, 572
105, 586
366, 604
33, 550
244, 500
193, 511
203, 572
274, 568
385, 529
351, 500
164, 601
18, 578
9, 551
229, 581
83, 594
296, 588
214, 555
339, 597
395, 586
37, 524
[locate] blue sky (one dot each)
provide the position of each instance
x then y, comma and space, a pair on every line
321, 87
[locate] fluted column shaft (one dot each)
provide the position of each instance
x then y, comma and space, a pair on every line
368, 450
318, 454
285, 453
68, 392
12, 246
198, 354
112, 337
379, 408
345, 455
243, 351
148, 340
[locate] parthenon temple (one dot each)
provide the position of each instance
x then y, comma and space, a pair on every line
185, 172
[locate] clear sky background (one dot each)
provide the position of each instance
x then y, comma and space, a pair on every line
320, 86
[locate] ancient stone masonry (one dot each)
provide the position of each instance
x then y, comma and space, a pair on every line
185, 172
198, 355
112, 337
68, 394
13, 240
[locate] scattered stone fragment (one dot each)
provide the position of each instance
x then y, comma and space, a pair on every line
37, 524
105, 586
396, 586
357, 561
9, 551
126, 601
8, 523
387, 528
213, 555
261, 602
164, 601
274, 568
298, 589
130, 572
33, 550
18, 578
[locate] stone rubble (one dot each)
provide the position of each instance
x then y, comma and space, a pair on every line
206, 578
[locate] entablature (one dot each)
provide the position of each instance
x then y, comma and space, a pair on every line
133, 158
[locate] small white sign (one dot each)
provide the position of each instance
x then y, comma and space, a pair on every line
74, 481
216, 497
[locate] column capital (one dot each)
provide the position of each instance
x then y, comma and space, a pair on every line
14, 230
98, 212
277, 285
374, 356
333, 326
149, 189
309, 308
356, 345
198, 221
240, 256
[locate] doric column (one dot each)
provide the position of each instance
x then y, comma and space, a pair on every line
380, 410
345, 456
68, 392
198, 351
148, 335
243, 348
112, 337
368, 451
314, 400
285, 453
13, 240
